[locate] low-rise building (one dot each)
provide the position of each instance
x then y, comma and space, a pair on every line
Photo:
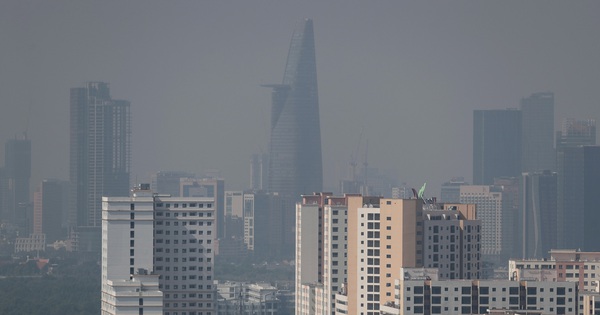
420, 292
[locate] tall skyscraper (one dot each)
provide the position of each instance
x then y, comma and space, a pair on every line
295, 164
570, 140
496, 145
99, 151
18, 172
538, 220
537, 142
591, 184
511, 214
570, 197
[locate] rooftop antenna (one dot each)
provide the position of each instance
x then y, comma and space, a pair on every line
27, 120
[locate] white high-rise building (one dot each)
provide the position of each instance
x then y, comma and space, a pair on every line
157, 254
127, 251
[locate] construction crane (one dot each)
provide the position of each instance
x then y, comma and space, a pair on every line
365, 167
354, 156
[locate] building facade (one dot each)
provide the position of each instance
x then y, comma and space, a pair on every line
295, 162
420, 292
17, 172
511, 214
452, 241
539, 216
578, 198
581, 268
259, 172
575, 132
211, 188
490, 209
168, 182
50, 201
100, 152
321, 257
496, 145
170, 238
128, 252
387, 234
263, 227
450, 191
537, 142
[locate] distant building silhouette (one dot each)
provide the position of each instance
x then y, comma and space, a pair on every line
167, 182
494, 225
578, 197
17, 172
49, 201
511, 214
591, 182
259, 172
100, 147
539, 217
572, 175
496, 145
295, 162
537, 142
295, 165
450, 191
576, 132
263, 225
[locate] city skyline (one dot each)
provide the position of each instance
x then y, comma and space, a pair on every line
397, 70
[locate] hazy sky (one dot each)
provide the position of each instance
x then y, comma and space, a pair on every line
408, 73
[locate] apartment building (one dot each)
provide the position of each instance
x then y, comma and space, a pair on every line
564, 265
420, 291
494, 222
169, 239
321, 257
349, 249
451, 244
